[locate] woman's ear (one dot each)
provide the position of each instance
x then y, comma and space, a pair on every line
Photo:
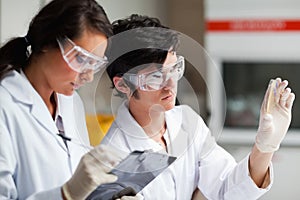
121, 85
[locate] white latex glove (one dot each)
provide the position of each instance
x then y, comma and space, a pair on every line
275, 116
137, 197
92, 171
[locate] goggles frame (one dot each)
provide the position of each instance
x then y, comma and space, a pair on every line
147, 82
78, 58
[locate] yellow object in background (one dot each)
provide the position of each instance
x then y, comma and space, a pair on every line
98, 126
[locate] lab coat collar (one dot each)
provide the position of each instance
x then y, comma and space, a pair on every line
174, 120
19, 87
57, 112
180, 139
135, 136
131, 130
22, 91
64, 107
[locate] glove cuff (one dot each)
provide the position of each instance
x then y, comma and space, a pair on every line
66, 192
266, 148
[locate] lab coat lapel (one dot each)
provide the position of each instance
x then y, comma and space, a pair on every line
42, 115
26, 94
179, 140
16, 85
134, 134
66, 111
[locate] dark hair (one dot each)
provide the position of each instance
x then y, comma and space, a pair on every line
138, 40
57, 19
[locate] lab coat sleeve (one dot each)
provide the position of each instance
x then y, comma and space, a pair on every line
222, 178
241, 184
49, 194
8, 165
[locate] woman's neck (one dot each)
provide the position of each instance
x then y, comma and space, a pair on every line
38, 82
151, 119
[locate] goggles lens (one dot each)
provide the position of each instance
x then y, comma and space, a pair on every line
79, 59
156, 80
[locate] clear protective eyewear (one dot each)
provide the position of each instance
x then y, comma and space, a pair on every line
157, 79
79, 59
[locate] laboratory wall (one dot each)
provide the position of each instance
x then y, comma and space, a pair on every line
15, 16
250, 43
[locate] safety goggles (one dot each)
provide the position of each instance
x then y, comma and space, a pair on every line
79, 59
157, 79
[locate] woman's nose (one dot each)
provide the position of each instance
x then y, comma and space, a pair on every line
86, 76
170, 84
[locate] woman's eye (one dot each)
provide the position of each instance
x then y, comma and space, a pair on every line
154, 78
173, 69
80, 59
180, 69
92, 62
177, 68
156, 75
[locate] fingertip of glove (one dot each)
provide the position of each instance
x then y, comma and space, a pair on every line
113, 177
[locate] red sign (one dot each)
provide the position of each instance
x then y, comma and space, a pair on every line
252, 25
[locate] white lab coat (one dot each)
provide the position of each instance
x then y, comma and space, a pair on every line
200, 161
34, 161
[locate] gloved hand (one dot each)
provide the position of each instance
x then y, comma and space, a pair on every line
92, 171
137, 197
275, 116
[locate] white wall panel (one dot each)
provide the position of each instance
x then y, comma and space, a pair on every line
15, 17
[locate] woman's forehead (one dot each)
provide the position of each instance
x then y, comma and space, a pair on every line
158, 67
152, 67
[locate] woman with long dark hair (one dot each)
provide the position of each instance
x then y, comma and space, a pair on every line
41, 117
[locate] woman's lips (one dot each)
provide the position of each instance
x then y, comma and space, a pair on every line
168, 97
75, 86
